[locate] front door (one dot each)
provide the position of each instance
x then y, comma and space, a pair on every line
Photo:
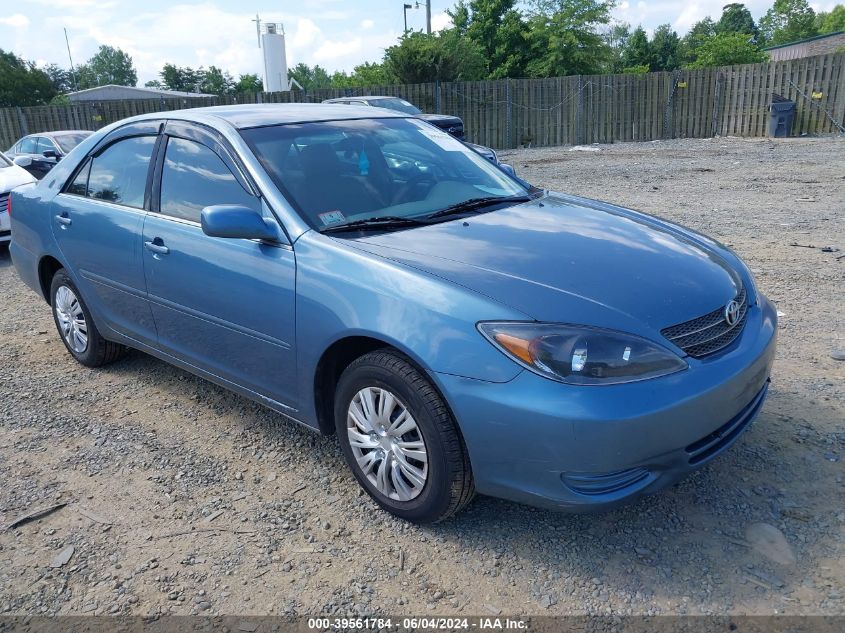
223, 305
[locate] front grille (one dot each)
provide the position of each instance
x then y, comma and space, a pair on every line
709, 333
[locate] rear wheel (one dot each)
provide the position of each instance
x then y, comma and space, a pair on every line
75, 326
400, 440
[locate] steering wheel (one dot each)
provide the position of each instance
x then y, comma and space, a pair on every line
412, 184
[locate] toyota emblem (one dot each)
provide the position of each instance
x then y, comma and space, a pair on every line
732, 313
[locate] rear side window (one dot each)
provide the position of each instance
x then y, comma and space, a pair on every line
195, 177
119, 174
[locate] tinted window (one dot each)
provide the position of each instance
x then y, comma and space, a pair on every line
194, 177
27, 146
119, 174
79, 186
44, 145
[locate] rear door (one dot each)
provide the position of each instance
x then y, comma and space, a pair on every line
97, 221
223, 305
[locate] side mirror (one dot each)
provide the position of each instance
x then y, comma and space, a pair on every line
231, 220
50, 153
508, 169
22, 161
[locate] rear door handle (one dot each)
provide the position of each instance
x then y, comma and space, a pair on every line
160, 249
63, 219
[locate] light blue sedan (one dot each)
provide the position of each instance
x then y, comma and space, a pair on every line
363, 273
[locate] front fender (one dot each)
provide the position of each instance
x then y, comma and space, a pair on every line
342, 292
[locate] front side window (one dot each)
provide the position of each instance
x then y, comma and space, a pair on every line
119, 173
195, 177
70, 140
28, 146
79, 186
337, 172
44, 145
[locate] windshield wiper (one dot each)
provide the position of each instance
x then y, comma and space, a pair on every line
382, 222
476, 204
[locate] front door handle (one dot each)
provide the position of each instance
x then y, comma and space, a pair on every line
63, 219
159, 249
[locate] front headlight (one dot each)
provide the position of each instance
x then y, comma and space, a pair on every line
580, 355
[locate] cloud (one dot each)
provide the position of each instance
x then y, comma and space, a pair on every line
367, 24
329, 50
440, 21
16, 20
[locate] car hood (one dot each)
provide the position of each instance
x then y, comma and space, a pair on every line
571, 260
13, 176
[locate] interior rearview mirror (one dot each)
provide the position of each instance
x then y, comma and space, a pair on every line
235, 221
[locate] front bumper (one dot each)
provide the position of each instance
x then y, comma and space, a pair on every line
581, 449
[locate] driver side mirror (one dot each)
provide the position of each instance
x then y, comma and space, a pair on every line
22, 161
50, 153
236, 221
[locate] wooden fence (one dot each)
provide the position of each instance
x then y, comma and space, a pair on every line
512, 113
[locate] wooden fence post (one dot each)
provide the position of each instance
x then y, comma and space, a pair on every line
22, 121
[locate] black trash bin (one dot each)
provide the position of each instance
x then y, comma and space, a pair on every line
781, 116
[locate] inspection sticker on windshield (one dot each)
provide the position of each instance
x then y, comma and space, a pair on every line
331, 217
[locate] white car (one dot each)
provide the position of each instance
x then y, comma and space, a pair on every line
11, 176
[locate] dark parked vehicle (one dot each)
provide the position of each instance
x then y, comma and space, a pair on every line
364, 273
45, 149
446, 122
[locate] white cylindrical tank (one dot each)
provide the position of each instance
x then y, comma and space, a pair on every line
275, 59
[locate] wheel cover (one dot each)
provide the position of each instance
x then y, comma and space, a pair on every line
387, 444
71, 320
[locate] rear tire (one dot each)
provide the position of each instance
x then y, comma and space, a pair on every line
400, 440
76, 327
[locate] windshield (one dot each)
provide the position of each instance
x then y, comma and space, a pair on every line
399, 105
68, 141
338, 172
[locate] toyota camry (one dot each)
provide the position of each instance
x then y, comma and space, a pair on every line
363, 273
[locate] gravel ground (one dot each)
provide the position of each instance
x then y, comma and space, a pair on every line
184, 498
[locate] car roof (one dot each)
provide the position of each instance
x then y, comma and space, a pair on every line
59, 133
361, 97
261, 114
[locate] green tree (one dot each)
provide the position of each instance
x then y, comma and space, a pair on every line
311, 78
249, 83
736, 18
444, 56
217, 82
700, 32
616, 37
726, 49
498, 29
637, 51
108, 66
788, 21
182, 79
22, 83
62, 80
565, 38
370, 74
665, 48
831, 21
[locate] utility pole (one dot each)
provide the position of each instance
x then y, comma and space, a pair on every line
72, 71
257, 21
427, 15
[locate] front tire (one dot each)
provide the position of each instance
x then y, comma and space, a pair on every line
76, 327
400, 439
